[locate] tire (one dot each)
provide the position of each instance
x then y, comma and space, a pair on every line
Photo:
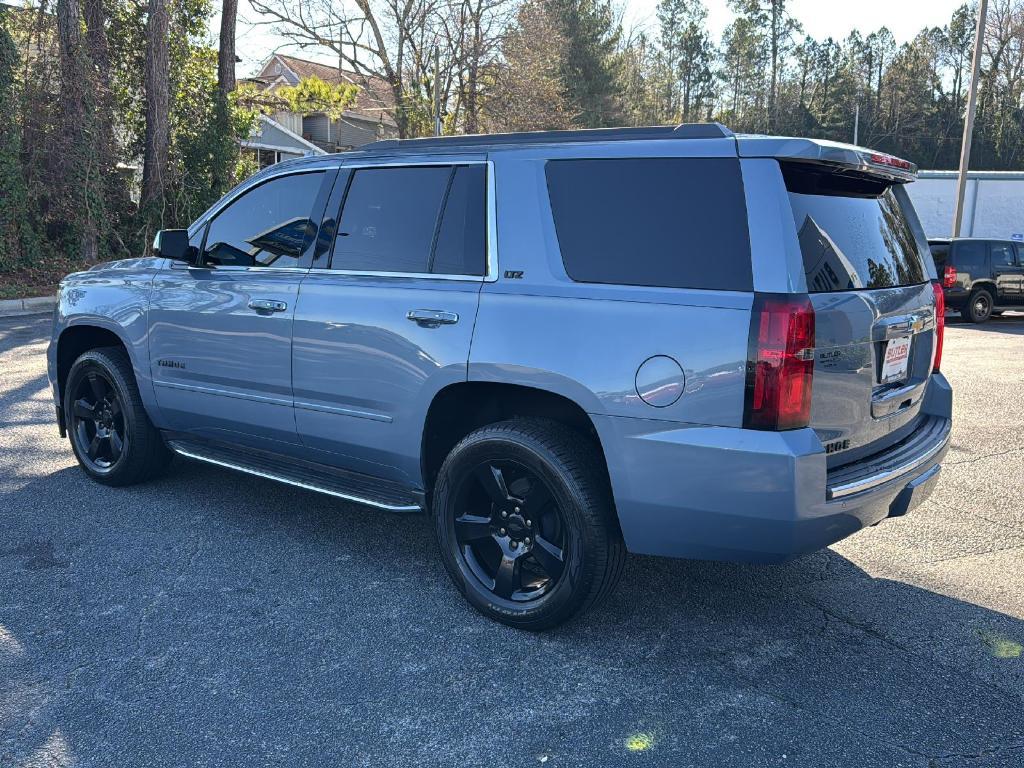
549, 482
111, 434
979, 306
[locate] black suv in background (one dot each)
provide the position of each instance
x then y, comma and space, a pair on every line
980, 278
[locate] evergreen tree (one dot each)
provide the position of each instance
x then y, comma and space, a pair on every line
687, 57
590, 60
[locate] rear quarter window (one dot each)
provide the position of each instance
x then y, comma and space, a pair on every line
663, 222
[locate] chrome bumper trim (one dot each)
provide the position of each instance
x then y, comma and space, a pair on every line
859, 484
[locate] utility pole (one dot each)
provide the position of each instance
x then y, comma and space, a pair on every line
437, 91
972, 103
856, 122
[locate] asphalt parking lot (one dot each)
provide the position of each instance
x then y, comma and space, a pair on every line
214, 619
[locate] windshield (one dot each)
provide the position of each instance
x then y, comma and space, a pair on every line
853, 233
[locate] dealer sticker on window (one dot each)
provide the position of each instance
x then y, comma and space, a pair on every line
894, 365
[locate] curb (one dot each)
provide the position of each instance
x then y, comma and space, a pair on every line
31, 306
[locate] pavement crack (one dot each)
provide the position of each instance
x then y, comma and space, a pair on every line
973, 515
1011, 698
951, 558
983, 456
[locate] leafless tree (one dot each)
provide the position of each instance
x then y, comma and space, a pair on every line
393, 40
379, 39
473, 31
528, 93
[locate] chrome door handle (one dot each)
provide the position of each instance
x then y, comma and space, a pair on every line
267, 305
431, 318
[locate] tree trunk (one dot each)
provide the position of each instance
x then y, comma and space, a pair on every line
154, 168
73, 165
472, 121
226, 54
96, 34
114, 187
776, 20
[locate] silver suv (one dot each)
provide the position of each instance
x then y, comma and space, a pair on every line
561, 346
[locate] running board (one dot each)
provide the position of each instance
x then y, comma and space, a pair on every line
350, 486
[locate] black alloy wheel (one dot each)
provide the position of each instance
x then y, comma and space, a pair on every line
111, 434
98, 422
510, 532
525, 521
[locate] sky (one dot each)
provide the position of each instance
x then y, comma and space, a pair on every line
820, 18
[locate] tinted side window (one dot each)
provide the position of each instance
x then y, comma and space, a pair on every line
971, 256
670, 222
388, 220
269, 225
1002, 255
461, 247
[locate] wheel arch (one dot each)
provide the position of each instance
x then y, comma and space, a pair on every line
984, 285
81, 337
458, 409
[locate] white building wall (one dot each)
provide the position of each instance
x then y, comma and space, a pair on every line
993, 203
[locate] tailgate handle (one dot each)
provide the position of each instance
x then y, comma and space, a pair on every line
904, 325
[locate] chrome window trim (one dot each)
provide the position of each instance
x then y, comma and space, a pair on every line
238, 268
491, 271
420, 275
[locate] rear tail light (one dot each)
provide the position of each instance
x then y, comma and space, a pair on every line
780, 363
940, 323
949, 276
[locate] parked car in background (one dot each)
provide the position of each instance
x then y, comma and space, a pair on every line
980, 277
561, 346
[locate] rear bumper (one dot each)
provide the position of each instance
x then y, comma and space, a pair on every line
733, 494
956, 298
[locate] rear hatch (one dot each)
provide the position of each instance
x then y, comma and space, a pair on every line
868, 272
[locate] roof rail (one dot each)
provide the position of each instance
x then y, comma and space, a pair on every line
682, 131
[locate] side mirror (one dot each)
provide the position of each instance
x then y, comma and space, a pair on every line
173, 244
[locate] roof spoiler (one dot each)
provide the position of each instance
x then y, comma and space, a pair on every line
682, 131
845, 157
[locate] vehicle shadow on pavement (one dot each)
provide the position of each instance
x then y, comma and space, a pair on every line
212, 618
1012, 324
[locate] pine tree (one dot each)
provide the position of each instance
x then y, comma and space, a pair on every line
687, 58
590, 62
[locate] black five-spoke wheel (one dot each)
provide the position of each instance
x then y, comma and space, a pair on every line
524, 518
510, 531
98, 421
113, 438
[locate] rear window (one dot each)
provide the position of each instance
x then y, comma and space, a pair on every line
853, 232
665, 222
940, 252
